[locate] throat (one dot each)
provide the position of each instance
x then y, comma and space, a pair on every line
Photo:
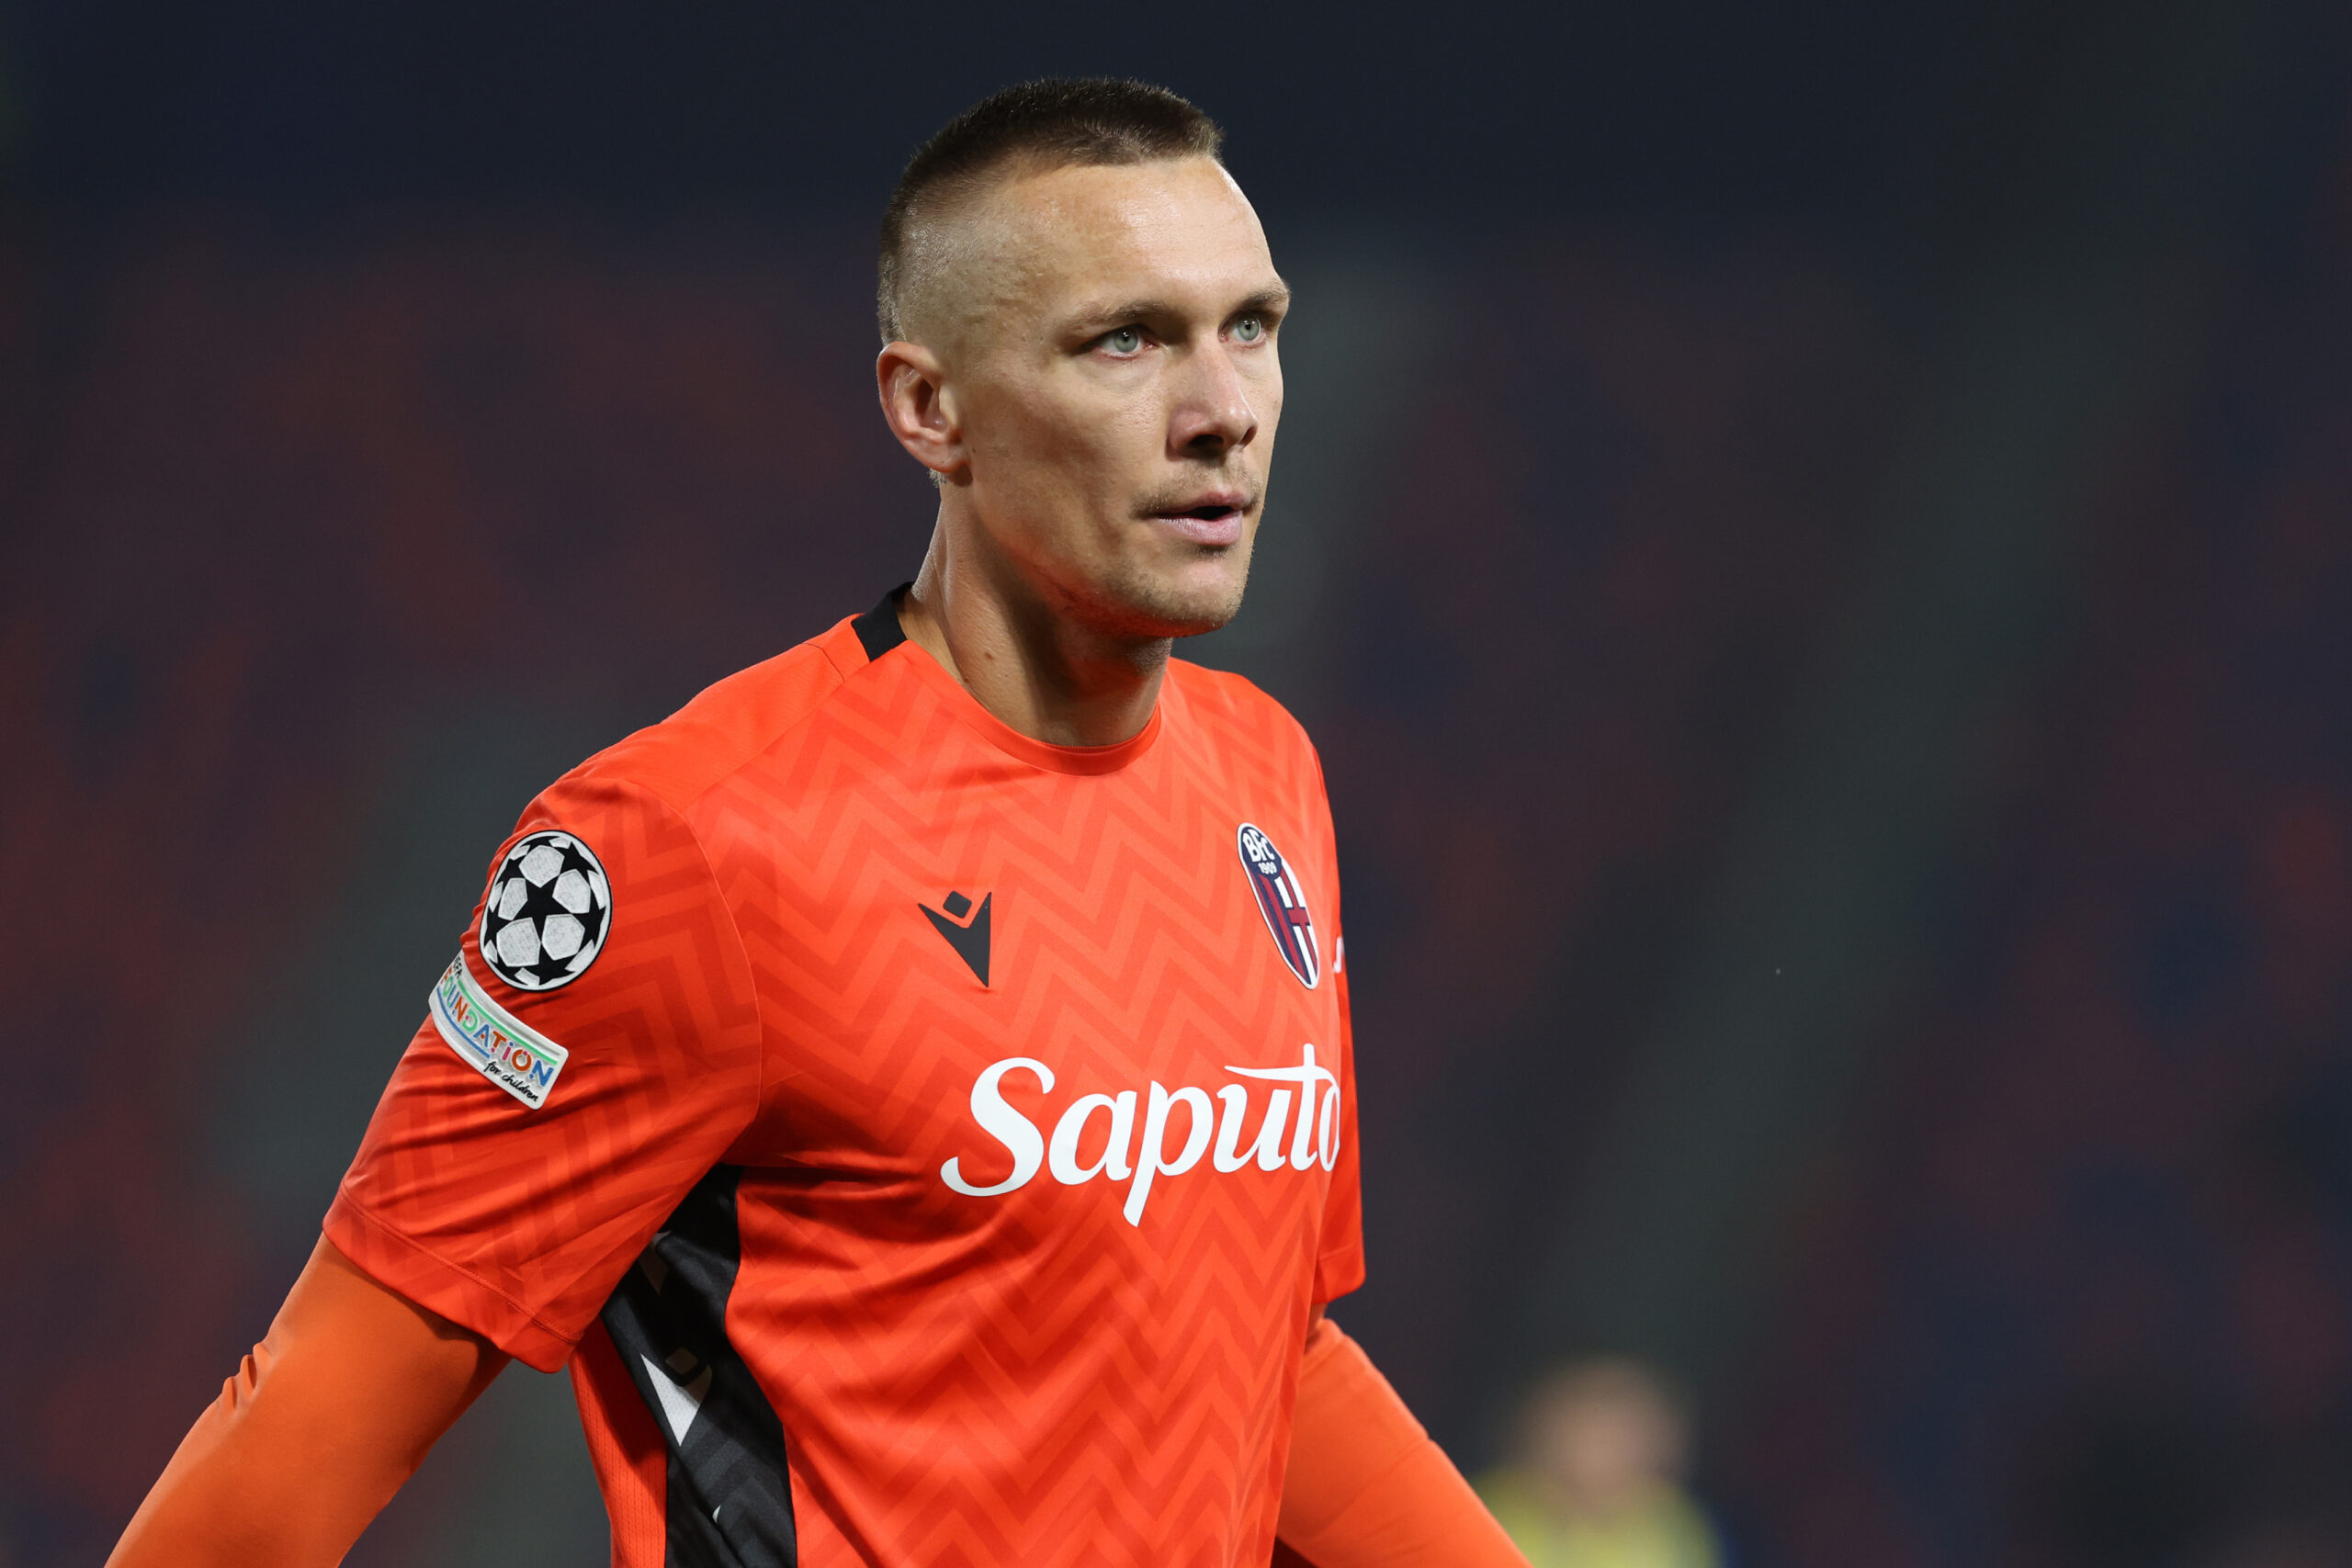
1044, 675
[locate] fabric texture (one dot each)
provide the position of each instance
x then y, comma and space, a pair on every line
1367, 1487
1042, 1148
276, 1470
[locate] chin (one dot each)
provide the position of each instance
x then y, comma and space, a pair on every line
1176, 605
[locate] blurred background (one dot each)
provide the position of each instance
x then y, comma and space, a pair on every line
1815, 542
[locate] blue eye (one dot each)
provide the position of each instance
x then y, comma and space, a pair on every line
1126, 340
1250, 328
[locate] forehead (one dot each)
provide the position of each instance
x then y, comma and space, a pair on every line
1179, 231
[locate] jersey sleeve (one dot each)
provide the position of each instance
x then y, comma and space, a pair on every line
1338, 1254
568, 1085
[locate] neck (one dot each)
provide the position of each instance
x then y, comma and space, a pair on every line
1024, 658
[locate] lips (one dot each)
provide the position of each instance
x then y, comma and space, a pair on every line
1214, 519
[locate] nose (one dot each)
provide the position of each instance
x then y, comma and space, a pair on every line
1212, 412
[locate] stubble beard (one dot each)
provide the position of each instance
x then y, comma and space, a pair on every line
1152, 604
1144, 605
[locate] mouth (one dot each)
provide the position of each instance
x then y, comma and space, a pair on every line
1214, 520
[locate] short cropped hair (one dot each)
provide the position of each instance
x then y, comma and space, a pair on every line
1048, 124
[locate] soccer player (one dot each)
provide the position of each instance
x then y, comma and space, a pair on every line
911, 1085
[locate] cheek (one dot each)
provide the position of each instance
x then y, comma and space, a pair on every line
1059, 459
1043, 480
1038, 434
1090, 455
1266, 398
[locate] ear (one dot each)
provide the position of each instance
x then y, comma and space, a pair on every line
918, 408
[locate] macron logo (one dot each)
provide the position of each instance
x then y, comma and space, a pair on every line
965, 929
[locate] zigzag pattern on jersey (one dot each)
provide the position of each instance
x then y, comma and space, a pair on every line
1025, 1379
517, 1223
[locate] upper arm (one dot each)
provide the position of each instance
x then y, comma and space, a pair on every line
325, 1419
546, 1118
1366, 1487
358, 1346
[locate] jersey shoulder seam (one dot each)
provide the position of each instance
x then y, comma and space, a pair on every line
800, 721
627, 777
734, 929
683, 802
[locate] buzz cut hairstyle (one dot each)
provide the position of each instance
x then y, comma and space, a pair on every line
1050, 124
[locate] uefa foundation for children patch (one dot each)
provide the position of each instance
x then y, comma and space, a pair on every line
494, 1042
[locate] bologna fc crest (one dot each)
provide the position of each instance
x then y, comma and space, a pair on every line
543, 922
1283, 900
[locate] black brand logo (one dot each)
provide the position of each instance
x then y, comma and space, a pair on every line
965, 929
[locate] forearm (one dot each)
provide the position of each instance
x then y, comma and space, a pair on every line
1367, 1487
322, 1423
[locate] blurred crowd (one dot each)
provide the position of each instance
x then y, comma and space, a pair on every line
2077, 1289
2081, 1292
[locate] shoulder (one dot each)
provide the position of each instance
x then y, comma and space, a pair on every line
628, 812
1253, 735
1235, 706
729, 723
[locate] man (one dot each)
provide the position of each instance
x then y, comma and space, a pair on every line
911, 1086
1597, 1481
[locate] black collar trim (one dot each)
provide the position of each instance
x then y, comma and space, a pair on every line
879, 630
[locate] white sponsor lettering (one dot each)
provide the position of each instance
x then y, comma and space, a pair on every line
1229, 1158
1314, 1132
1063, 1161
1152, 1159
1006, 1125
1306, 1074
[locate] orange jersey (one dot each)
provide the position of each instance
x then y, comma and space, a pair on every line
931, 1141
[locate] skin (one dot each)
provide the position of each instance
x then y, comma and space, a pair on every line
1091, 370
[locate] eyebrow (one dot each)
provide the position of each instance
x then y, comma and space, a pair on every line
1274, 296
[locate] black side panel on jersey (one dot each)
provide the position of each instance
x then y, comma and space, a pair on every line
731, 1501
879, 630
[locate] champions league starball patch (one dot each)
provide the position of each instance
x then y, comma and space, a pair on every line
545, 918
1283, 901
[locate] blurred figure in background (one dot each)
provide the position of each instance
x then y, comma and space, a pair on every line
1596, 1480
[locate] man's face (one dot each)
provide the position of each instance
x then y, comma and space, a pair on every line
1110, 363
